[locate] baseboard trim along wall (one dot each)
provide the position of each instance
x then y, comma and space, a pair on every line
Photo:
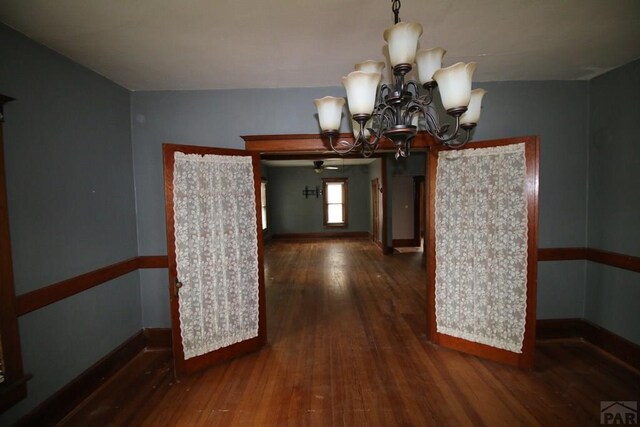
402, 243
326, 235
623, 349
59, 404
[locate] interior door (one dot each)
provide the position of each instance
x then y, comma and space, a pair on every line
215, 282
482, 280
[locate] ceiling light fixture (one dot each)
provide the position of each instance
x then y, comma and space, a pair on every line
396, 111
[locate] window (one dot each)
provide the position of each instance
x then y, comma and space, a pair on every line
334, 194
263, 202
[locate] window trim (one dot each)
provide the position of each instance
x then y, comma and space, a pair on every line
14, 387
345, 204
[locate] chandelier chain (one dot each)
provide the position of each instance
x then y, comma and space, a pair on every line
395, 7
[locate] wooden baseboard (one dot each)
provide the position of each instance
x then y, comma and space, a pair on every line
58, 405
327, 235
157, 338
606, 340
400, 243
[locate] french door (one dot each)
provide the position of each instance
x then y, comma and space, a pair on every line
482, 249
214, 248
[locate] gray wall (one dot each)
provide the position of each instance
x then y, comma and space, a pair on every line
71, 209
557, 111
612, 294
291, 212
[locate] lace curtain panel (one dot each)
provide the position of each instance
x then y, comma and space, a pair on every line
481, 245
216, 250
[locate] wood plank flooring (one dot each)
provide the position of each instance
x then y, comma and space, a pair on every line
347, 347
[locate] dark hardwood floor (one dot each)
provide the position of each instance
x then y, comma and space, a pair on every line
347, 347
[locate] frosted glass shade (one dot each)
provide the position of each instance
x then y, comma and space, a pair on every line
472, 115
370, 66
402, 39
361, 91
329, 112
455, 84
429, 61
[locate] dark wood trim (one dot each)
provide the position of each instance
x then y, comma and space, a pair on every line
561, 254
14, 387
314, 142
53, 293
386, 248
619, 347
614, 344
614, 259
153, 261
326, 235
157, 338
58, 405
313, 156
418, 207
399, 243
34, 300
559, 328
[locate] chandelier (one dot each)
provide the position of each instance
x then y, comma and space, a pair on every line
396, 111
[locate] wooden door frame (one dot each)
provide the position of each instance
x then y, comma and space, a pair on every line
304, 146
314, 144
201, 362
417, 208
375, 210
526, 358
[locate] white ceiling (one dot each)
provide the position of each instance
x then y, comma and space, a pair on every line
206, 44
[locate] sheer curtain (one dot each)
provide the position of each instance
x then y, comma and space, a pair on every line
216, 250
481, 245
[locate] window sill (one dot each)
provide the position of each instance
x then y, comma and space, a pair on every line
11, 392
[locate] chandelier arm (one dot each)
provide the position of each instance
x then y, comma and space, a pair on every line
383, 88
427, 98
416, 91
414, 106
440, 133
431, 122
389, 117
460, 144
333, 142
